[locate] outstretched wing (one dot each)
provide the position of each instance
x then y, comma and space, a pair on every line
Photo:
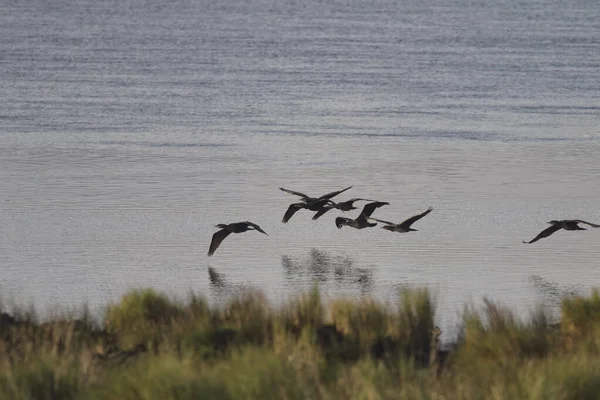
370, 207
408, 222
332, 194
357, 199
382, 221
291, 211
293, 192
545, 233
216, 240
322, 211
587, 223
256, 227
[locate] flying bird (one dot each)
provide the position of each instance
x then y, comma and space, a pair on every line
362, 220
316, 205
226, 229
403, 226
566, 224
309, 199
307, 202
342, 206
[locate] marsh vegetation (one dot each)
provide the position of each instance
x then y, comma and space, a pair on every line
151, 346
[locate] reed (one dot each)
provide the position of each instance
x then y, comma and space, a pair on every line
150, 346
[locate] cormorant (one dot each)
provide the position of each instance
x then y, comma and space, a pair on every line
403, 226
343, 206
361, 221
310, 203
566, 224
226, 229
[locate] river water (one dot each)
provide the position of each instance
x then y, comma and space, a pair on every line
128, 129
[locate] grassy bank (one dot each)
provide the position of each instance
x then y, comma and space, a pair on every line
149, 346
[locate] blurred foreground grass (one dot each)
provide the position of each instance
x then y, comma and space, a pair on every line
149, 346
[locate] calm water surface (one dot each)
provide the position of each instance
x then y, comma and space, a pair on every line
129, 129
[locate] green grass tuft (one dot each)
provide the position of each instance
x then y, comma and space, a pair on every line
581, 315
141, 316
153, 347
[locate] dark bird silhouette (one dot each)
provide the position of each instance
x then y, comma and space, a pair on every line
313, 206
403, 226
226, 229
566, 224
307, 202
342, 206
362, 220
308, 199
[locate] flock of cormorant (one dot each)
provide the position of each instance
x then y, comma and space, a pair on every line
324, 204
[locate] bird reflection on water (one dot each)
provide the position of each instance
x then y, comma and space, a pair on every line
321, 267
221, 288
553, 293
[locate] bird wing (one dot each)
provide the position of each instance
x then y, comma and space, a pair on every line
293, 192
587, 223
318, 203
370, 207
216, 240
321, 212
252, 224
382, 221
408, 222
545, 233
357, 199
332, 194
291, 211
